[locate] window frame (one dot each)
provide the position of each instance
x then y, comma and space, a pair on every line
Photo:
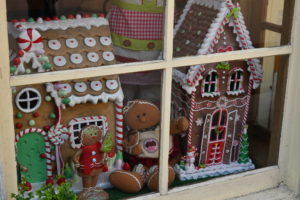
210, 83
28, 100
230, 186
240, 90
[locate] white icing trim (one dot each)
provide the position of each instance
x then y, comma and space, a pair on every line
132, 176
27, 90
87, 23
27, 58
103, 97
211, 94
236, 93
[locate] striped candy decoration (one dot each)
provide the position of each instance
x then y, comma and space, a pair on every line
30, 40
47, 147
191, 119
119, 125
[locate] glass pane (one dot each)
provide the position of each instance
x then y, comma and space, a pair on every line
216, 26
229, 131
50, 35
88, 122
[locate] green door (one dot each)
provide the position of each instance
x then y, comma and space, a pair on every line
29, 150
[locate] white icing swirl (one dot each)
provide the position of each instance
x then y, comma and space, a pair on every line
112, 84
76, 58
96, 85
93, 57
54, 44
90, 42
80, 87
108, 56
59, 61
71, 43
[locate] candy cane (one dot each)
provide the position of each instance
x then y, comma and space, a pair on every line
47, 146
191, 119
30, 40
119, 125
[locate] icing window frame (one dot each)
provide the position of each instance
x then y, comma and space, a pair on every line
77, 124
237, 82
210, 83
28, 99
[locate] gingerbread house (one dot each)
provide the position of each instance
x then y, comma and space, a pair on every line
49, 117
215, 97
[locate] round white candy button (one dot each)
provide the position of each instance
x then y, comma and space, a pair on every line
54, 44
93, 57
96, 85
80, 87
66, 87
108, 56
105, 41
59, 61
76, 58
90, 42
112, 84
72, 43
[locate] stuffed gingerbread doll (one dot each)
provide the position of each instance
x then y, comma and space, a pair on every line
141, 146
88, 161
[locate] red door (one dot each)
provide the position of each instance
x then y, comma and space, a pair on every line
217, 135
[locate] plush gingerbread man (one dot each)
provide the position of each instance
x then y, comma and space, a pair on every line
141, 147
88, 160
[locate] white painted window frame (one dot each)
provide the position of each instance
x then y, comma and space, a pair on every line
286, 171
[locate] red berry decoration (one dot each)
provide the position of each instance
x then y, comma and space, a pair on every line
105, 168
85, 15
17, 61
28, 186
49, 181
19, 125
23, 20
126, 166
101, 15
70, 17
36, 114
112, 153
46, 128
61, 180
55, 18
14, 21
20, 53
19, 26
42, 155
47, 19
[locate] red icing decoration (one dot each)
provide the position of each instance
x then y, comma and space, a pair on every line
19, 125
85, 15
112, 153
105, 168
28, 186
101, 15
14, 21
55, 18
47, 19
70, 17
225, 49
20, 53
36, 114
17, 61
49, 181
23, 20
61, 180
19, 26
42, 155
46, 128
126, 166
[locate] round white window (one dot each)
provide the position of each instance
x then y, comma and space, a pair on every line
28, 100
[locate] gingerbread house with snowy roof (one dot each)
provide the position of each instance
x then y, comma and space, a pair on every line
215, 97
50, 117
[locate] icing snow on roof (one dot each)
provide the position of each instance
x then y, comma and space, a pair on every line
198, 31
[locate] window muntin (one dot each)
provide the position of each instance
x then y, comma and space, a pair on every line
235, 82
28, 100
210, 85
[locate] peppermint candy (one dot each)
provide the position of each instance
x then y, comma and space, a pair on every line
30, 40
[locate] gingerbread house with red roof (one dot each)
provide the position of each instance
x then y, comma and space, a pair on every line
215, 97
50, 117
